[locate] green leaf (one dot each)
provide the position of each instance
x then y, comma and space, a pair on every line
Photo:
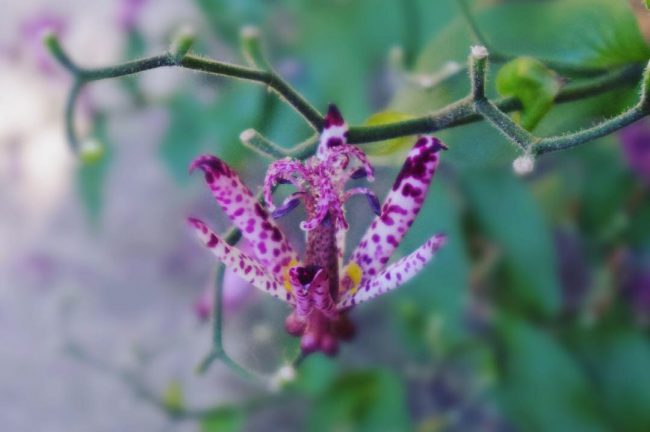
508, 214
362, 401
173, 396
391, 146
223, 420
439, 291
596, 33
533, 84
620, 362
316, 374
646, 3
542, 388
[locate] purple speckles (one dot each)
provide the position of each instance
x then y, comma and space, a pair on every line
375, 238
213, 241
334, 142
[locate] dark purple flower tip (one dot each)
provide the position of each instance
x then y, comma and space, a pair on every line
333, 117
359, 173
373, 201
281, 180
194, 222
306, 274
438, 145
286, 207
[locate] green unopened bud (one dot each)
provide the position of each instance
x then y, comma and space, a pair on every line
91, 151
182, 43
251, 46
51, 42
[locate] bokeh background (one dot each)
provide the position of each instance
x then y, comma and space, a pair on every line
533, 318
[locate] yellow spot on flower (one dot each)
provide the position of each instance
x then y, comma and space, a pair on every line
285, 274
354, 273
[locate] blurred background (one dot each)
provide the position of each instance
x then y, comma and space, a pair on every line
533, 318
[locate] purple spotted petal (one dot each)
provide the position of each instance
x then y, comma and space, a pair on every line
271, 247
396, 274
246, 267
400, 209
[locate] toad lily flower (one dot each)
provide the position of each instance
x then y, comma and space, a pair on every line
318, 287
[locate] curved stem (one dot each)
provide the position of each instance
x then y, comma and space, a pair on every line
461, 112
70, 105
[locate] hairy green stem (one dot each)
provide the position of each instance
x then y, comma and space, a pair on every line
458, 113
527, 141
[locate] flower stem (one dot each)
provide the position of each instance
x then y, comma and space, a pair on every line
455, 114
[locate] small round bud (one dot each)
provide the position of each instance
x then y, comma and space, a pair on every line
524, 165
249, 32
309, 343
247, 136
329, 344
294, 325
91, 151
283, 376
479, 52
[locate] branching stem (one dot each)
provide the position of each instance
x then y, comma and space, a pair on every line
455, 114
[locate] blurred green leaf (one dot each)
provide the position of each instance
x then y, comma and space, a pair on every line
196, 126
604, 189
646, 3
185, 135
509, 215
316, 374
533, 84
362, 401
542, 388
173, 396
620, 362
223, 420
392, 146
441, 287
597, 33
